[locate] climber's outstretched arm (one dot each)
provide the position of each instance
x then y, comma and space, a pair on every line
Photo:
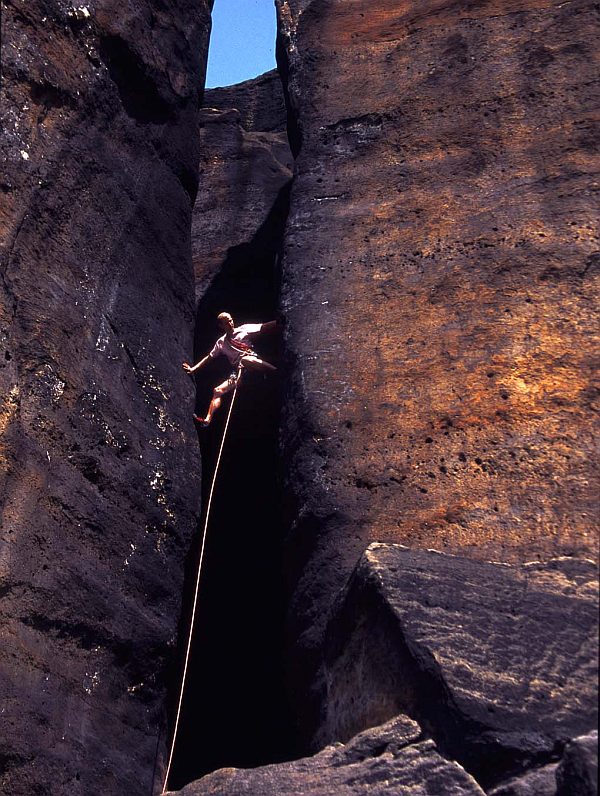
193, 368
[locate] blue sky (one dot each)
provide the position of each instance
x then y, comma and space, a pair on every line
242, 42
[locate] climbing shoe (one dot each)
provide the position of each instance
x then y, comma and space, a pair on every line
201, 421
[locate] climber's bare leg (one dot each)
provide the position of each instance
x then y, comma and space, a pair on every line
254, 363
218, 393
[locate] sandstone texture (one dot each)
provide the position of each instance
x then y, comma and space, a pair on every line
577, 774
99, 477
245, 163
393, 758
260, 102
439, 281
536, 782
434, 247
497, 663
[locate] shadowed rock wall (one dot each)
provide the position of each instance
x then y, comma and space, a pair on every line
439, 280
100, 472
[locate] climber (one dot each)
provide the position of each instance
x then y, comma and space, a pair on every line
233, 345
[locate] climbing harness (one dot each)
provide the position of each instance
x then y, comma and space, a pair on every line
189, 643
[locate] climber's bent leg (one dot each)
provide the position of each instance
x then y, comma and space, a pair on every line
254, 363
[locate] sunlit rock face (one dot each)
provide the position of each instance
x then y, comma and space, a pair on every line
245, 162
440, 263
100, 471
259, 101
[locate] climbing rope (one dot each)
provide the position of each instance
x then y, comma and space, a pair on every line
189, 644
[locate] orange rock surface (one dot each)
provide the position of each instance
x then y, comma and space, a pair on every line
440, 283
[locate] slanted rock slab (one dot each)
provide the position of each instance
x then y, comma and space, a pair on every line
498, 663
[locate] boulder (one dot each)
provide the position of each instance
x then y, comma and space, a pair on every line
496, 662
577, 774
535, 782
393, 758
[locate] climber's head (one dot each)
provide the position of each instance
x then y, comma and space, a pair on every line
225, 322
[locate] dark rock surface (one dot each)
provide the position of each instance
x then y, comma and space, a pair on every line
390, 759
577, 774
438, 280
497, 663
245, 163
259, 101
440, 283
99, 483
536, 782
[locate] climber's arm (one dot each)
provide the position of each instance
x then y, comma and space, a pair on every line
193, 368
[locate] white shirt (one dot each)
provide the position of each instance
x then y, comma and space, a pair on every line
236, 346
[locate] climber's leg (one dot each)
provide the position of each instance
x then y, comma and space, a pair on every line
218, 393
252, 362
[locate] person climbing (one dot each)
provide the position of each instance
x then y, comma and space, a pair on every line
235, 347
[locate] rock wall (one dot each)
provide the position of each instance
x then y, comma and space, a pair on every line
438, 275
245, 163
100, 471
439, 281
260, 102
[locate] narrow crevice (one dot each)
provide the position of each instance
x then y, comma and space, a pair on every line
294, 126
235, 711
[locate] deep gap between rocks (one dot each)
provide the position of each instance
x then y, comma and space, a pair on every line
234, 710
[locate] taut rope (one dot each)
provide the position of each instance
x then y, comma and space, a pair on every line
189, 644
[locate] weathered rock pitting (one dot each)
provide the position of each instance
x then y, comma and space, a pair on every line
440, 282
100, 471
